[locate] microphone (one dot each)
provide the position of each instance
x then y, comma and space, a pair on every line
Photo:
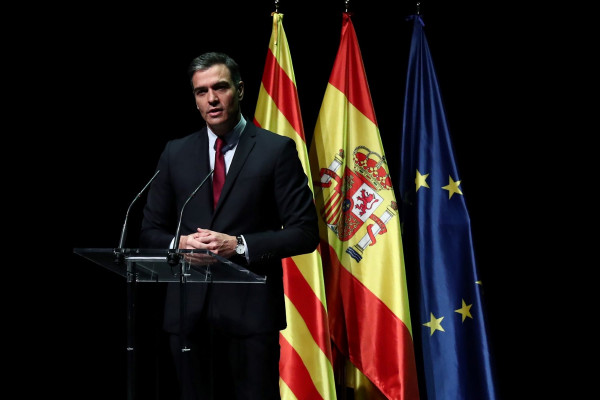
119, 250
173, 257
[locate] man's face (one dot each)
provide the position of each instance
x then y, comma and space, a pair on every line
218, 98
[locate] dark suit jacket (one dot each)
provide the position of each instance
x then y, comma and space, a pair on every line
266, 198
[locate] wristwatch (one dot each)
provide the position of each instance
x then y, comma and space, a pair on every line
240, 248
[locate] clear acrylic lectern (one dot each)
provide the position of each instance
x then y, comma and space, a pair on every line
157, 265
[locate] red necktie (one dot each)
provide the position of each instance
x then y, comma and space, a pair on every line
219, 173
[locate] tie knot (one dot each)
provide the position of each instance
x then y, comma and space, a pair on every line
220, 143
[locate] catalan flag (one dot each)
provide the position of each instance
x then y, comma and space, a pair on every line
306, 370
361, 244
453, 347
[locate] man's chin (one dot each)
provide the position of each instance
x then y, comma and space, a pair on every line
216, 121
218, 124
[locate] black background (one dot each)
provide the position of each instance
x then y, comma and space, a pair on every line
112, 81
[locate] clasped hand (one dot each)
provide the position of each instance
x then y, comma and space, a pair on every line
205, 239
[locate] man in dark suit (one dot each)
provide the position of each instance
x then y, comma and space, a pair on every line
265, 212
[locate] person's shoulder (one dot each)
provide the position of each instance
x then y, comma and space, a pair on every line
265, 134
182, 145
186, 140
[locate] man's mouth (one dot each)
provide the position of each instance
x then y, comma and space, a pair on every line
215, 112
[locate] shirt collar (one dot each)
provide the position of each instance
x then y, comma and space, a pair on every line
232, 138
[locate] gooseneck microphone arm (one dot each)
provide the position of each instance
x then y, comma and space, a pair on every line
173, 257
124, 230
119, 250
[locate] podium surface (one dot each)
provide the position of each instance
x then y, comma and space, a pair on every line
151, 265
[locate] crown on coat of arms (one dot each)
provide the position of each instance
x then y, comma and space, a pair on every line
372, 167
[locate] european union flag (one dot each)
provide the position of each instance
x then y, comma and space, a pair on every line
449, 328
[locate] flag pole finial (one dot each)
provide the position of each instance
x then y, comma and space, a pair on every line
347, 4
418, 8
277, 6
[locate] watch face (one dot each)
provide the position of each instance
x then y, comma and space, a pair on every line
239, 249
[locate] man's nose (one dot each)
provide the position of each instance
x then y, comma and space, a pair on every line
212, 96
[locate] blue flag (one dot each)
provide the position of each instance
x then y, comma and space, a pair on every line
449, 328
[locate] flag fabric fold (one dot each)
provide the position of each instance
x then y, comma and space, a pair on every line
452, 346
361, 244
305, 366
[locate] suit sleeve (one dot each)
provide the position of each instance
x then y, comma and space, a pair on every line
295, 207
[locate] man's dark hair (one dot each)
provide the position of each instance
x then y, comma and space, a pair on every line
207, 60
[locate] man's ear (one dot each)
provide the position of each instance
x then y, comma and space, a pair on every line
240, 89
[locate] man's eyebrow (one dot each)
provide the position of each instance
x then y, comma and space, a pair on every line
222, 84
219, 84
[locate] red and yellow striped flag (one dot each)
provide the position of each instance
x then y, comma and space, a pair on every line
361, 244
305, 366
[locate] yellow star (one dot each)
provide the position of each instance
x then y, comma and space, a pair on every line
434, 324
465, 311
452, 187
420, 180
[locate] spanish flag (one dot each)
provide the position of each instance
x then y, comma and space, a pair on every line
305, 366
361, 244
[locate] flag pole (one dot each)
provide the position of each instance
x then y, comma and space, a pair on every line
342, 360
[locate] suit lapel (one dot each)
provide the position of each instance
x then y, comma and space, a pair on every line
202, 168
242, 152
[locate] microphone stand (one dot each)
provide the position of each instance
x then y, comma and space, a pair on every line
131, 280
173, 259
